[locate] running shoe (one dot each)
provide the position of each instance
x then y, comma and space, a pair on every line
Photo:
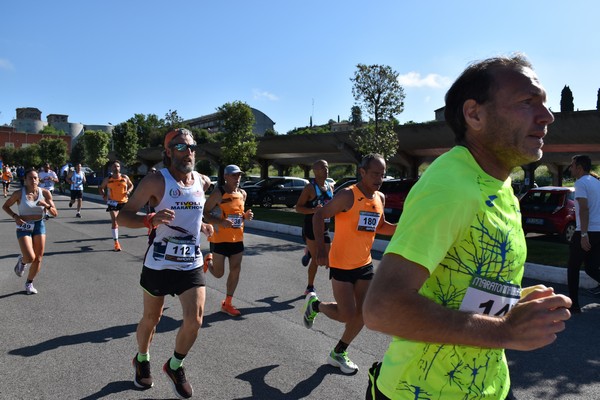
78, 215
181, 386
143, 378
306, 258
230, 309
342, 361
310, 289
309, 314
117, 246
30, 289
20, 267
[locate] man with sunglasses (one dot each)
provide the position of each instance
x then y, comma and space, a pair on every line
173, 261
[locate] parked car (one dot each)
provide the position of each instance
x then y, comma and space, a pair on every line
279, 190
549, 210
395, 191
91, 178
248, 180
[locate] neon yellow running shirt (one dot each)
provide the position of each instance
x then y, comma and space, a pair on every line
464, 226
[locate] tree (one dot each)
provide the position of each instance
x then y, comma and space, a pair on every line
356, 117
239, 143
53, 151
7, 154
173, 120
96, 148
125, 141
78, 152
376, 88
598, 101
368, 142
149, 128
50, 130
566, 100
29, 156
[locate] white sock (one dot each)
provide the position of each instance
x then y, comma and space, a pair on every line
115, 233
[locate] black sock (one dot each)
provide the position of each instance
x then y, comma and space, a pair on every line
315, 306
341, 347
28, 281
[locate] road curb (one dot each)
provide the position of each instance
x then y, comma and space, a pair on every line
533, 271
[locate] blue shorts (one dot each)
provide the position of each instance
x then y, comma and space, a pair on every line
39, 228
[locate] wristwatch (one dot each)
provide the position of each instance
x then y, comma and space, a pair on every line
584, 234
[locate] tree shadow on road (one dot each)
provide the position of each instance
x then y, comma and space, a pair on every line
567, 368
272, 306
166, 324
261, 390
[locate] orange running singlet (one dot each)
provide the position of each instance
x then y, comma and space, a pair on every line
232, 208
355, 232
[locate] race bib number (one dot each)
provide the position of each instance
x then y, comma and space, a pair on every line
490, 297
112, 203
368, 221
180, 251
26, 227
236, 220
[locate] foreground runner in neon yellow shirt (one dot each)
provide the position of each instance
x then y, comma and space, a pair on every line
448, 287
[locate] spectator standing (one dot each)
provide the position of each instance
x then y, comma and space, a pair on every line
585, 245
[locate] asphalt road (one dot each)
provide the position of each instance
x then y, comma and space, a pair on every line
76, 338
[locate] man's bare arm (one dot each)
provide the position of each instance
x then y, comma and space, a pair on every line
394, 306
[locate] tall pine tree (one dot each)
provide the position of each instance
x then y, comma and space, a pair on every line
566, 100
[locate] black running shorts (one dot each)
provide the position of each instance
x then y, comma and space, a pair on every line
168, 281
352, 275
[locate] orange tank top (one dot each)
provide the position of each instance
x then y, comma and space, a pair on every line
355, 232
117, 189
232, 208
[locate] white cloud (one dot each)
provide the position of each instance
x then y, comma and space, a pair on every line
414, 79
264, 95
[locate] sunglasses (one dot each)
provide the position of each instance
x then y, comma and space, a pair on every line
184, 147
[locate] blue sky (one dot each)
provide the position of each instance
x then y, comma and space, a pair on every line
104, 61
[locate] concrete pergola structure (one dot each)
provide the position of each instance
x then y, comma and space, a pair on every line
570, 134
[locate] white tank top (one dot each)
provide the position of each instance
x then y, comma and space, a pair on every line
30, 207
176, 246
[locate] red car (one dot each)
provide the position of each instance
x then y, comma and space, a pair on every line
549, 210
395, 192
